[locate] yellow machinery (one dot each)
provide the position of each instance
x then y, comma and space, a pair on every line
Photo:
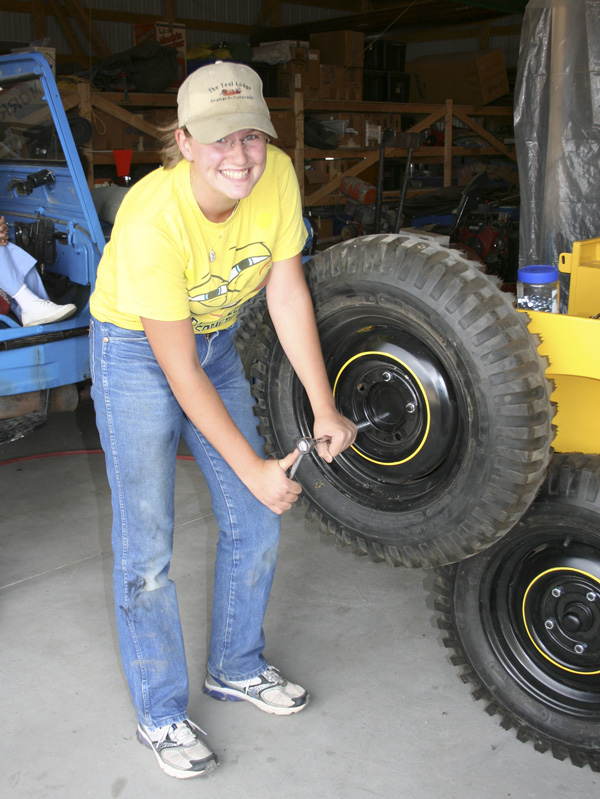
571, 343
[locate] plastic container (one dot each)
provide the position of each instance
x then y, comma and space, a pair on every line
537, 288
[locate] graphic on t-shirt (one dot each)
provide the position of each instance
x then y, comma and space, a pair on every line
217, 293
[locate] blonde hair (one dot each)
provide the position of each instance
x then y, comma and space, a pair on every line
170, 152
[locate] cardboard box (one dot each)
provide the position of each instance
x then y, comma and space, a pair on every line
340, 83
331, 80
383, 54
353, 84
49, 54
473, 78
169, 35
385, 87
344, 48
301, 73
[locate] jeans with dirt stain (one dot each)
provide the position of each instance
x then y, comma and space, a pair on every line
140, 423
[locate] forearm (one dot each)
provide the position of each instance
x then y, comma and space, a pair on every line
204, 407
197, 396
291, 309
294, 321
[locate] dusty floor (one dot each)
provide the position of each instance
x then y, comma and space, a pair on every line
389, 716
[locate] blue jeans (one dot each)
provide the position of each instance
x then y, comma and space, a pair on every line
140, 423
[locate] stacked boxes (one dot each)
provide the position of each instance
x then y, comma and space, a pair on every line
384, 78
338, 65
476, 77
300, 73
341, 64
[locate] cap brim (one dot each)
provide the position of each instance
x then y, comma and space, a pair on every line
210, 130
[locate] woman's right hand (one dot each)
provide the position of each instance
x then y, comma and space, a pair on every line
3, 231
270, 484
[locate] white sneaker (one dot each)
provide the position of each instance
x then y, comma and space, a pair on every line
178, 749
42, 312
269, 692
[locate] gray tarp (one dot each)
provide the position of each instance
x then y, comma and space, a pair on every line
557, 127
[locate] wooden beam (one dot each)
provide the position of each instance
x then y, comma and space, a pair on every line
502, 148
448, 117
70, 35
169, 14
125, 116
38, 21
270, 14
86, 26
70, 100
129, 17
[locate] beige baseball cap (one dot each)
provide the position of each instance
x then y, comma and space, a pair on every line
219, 99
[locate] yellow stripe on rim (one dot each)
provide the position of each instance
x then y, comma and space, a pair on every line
417, 381
543, 654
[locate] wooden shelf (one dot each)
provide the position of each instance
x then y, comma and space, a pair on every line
126, 108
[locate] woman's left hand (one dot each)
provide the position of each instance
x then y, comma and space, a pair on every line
337, 431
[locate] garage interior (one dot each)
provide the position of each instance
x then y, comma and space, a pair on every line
389, 715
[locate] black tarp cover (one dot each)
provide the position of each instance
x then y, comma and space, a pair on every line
557, 127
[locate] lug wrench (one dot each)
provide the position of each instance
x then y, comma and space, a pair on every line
304, 447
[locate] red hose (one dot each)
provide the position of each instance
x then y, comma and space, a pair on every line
70, 452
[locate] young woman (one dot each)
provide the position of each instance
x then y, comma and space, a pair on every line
192, 242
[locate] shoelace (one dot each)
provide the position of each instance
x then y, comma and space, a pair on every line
181, 733
272, 675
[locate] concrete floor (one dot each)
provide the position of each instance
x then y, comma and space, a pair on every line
389, 716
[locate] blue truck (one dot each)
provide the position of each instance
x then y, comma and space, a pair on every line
49, 210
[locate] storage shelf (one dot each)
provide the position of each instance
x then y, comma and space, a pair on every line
126, 108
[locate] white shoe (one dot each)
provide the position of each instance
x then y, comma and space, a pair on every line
42, 312
178, 749
269, 692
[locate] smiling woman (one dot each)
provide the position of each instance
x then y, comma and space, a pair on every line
192, 242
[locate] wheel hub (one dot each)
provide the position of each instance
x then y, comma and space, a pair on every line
561, 612
398, 393
386, 398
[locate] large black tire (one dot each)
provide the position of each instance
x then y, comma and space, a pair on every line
423, 345
523, 617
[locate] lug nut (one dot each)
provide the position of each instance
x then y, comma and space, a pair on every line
387, 376
549, 624
411, 407
580, 648
591, 596
556, 592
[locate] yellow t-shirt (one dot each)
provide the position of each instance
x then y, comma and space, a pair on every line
157, 263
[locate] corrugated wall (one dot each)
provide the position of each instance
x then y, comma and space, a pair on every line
508, 44
118, 36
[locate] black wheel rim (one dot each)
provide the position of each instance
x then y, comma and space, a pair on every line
387, 375
541, 611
